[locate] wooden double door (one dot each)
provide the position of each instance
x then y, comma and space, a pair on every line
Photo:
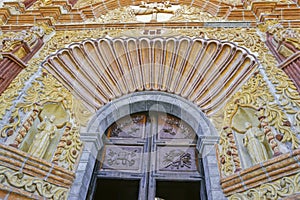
148, 156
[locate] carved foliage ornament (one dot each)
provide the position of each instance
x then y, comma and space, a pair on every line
33, 185
281, 188
254, 93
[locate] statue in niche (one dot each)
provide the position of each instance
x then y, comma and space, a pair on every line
42, 139
254, 142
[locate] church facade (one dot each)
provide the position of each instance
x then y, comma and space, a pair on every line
104, 99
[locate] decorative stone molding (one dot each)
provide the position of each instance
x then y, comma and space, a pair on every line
285, 188
33, 185
206, 144
261, 174
33, 175
105, 69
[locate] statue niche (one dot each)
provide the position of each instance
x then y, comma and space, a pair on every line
44, 135
251, 141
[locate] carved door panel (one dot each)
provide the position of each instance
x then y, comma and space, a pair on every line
174, 156
149, 148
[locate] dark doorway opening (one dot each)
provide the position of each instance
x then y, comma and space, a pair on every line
176, 190
114, 189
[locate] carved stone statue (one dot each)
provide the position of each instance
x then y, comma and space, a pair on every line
41, 140
253, 141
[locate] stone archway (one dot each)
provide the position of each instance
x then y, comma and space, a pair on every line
140, 102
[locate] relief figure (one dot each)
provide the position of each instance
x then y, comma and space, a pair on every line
254, 142
42, 139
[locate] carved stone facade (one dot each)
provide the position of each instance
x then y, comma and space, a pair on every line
64, 64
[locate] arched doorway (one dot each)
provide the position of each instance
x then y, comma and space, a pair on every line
146, 156
149, 102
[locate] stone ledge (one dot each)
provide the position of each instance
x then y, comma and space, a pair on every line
268, 171
18, 160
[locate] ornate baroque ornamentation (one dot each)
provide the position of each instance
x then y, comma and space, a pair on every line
281, 188
44, 90
183, 14
193, 14
288, 96
119, 15
255, 93
68, 149
33, 185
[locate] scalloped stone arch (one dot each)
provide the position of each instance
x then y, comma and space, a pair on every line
203, 71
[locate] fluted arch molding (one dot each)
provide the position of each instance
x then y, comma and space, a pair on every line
203, 71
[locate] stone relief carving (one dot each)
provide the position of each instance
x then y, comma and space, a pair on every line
129, 127
42, 102
173, 128
28, 38
42, 139
288, 97
157, 12
31, 184
153, 9
176, 159
192, 14
68, 148
254, 142
281, 188
40, 3
122, 158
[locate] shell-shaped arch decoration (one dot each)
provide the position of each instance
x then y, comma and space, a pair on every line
203, 71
